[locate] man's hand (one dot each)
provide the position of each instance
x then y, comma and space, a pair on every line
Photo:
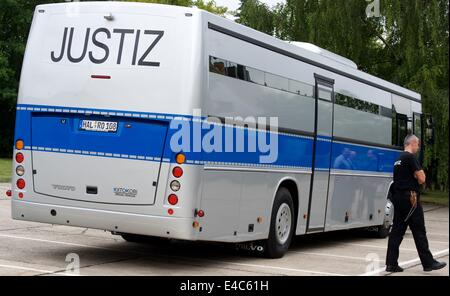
420, 176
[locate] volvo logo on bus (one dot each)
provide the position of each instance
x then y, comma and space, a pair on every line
63, 187
250, 247
91, 39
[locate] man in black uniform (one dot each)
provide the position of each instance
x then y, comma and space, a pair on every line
408, 176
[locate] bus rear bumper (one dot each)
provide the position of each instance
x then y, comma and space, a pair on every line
170, 227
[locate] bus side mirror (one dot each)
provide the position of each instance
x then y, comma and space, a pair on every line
429, 130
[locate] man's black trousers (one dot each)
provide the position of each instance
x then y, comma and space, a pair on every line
416, 223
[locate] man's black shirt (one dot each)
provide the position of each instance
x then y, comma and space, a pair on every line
404, 169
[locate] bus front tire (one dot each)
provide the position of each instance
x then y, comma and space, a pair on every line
282, 225
383, 232
384, 229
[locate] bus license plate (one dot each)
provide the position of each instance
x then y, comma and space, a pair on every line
99, 126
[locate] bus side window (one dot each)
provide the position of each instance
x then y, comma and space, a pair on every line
242, 73
299, 88
400, 129
417, 125
232, 69
255, 76
276, 81
410, 126
217, 65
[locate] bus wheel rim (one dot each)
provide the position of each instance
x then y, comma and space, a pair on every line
283, 223
389, 214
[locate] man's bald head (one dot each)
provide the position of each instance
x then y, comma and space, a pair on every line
412, 143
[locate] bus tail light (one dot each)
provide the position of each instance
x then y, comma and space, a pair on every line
9, 193
177, 172
199, 213
20, 183
19, 157
173, 199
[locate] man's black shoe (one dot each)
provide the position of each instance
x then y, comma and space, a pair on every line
394, 268
435, 266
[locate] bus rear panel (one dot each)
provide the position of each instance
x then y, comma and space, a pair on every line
95, 103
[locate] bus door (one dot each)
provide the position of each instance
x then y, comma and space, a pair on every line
321, 159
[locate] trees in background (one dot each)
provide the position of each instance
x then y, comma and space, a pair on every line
208, 5
258, 14
406, 44
417, 34
15, 19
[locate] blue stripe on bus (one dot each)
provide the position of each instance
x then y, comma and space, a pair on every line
145, 141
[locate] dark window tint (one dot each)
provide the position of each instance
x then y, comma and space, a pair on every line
217, 65
386, 112
232, 69
417, 121
400, 129
242, 72
357, 104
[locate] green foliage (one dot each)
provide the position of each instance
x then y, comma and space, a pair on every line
435, 197
337, 25
208, 5
5, 170
257, 15
407, 44
418, 34
211, 7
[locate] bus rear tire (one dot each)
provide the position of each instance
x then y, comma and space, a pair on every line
282, 225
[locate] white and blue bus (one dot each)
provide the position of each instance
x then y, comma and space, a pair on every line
123, 125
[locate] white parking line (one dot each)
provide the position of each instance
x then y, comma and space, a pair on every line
377, 247
25, 268
336, 256
435, 233
61, 243
260, 266
171, 256
406, 264
270, 267
218, 261
429, 241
